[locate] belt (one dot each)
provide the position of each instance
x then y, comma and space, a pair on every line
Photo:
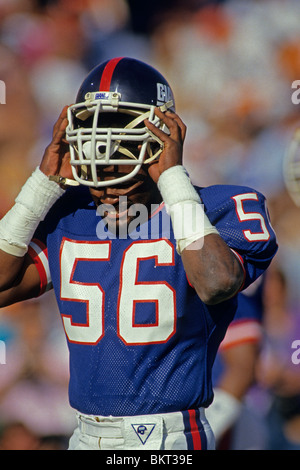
148, 431
111, 427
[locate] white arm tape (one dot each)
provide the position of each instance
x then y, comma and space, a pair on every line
223, 412
31, 206
183, 203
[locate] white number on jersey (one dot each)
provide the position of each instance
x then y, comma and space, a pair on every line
264, 235
131, 292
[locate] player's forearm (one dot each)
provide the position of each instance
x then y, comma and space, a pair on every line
19, 224
19, 279
212, 269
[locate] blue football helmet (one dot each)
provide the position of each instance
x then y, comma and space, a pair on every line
106, 125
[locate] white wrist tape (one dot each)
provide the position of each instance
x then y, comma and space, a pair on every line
190, 223
223, 412
31, 206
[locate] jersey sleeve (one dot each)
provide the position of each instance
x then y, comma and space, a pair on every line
37, 250
241, 216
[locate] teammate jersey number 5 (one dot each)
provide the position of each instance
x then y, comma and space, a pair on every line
131, 292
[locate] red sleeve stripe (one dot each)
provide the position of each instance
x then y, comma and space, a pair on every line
157, 210
240, 332
38, 252
108, 73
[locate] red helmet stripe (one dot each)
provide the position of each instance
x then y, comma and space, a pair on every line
108, 73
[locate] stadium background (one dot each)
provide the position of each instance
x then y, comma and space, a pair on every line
231, 65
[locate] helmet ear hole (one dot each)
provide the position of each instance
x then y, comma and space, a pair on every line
101, 149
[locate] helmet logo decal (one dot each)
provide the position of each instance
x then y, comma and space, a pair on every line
164, 94
143, 431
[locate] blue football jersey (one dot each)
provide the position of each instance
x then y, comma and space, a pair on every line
140, 339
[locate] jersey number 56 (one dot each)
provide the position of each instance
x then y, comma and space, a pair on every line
131, 292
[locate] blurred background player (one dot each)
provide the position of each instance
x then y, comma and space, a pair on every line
278, 366
234, 373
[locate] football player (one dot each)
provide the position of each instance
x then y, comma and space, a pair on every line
145, 267
234, 371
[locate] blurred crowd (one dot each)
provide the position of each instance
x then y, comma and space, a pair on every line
231, 65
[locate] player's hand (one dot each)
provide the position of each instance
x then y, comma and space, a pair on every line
173, 143
56, 159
